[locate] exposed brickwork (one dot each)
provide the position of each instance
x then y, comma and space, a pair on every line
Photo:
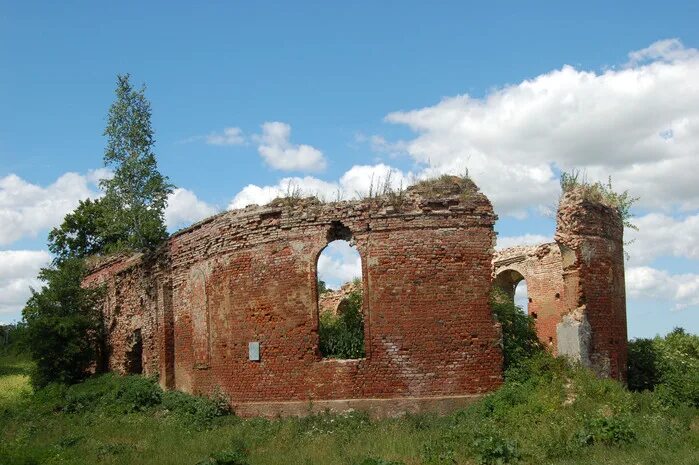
576, 284
250, 275
427, 264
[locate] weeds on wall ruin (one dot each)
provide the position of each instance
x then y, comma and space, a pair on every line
601, 193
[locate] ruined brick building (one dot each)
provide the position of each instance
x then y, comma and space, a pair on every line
231, 303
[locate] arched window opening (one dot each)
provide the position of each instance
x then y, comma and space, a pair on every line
340, 310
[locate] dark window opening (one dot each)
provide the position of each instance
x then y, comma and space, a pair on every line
134, 354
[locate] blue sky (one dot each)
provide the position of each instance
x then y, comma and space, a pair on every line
249, 96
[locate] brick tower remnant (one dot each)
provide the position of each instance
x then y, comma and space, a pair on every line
590, 235
575, 285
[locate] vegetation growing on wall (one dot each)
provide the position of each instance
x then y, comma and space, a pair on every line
601, 193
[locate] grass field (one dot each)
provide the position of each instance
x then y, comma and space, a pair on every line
557, 416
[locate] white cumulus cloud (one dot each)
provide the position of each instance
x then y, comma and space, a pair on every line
27, 209
645, 281
638, 123
184, 208
276, 149
339, 263
358, 181
662, 235
18, 271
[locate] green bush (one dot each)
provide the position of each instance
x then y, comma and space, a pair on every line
13, 339
342, 336
236, 455
612, 430
199, 410
668, 365
642, 371
378, 461
494, 450
519, 339
112, 394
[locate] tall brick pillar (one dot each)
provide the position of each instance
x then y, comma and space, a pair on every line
594, 330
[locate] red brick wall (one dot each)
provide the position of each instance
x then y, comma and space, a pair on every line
250, 275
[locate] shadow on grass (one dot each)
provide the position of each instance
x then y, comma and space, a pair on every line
14, 364
15, 369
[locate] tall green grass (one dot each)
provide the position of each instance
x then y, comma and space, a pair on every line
546, 413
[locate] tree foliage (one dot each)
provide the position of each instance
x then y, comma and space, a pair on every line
668, 365
64, 329
84, 232
136, 197
130, 215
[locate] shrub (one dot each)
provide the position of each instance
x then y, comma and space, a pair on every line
378, 461
200, 410
494, 450
642, 371
519, 339
236, 455
342, 336
668, 365
612, 430
13, 338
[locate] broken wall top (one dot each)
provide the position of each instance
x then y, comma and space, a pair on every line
448, 201
579, 216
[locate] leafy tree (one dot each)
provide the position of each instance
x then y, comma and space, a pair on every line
519, 338
136, 197
83, 233
64, 327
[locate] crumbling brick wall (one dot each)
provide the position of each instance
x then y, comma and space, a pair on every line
576, 285
250, 276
